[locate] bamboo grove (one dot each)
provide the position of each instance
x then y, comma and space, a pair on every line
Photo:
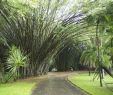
37, 33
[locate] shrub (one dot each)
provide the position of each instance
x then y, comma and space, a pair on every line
15, 60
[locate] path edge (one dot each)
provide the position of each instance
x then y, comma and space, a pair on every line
74, 85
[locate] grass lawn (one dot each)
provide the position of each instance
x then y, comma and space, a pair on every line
86, 83
21, 87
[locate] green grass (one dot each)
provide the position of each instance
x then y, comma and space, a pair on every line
21, 87
86, 83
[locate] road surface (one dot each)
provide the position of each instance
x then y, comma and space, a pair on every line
56, 84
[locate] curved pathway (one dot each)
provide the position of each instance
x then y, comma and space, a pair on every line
55, 84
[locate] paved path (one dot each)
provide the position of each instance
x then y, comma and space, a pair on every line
56, 85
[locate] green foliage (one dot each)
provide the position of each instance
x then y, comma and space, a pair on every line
15, 60
106, 61
88, 58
